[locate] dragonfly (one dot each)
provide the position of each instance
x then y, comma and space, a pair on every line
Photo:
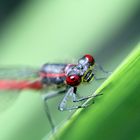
60, 78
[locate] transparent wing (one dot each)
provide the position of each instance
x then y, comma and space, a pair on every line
8, 97
18, 73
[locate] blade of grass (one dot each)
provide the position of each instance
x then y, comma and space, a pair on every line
116, 114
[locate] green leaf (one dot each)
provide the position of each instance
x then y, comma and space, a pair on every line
116, 114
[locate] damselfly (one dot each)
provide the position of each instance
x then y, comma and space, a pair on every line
61, 78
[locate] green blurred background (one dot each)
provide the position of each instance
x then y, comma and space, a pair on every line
35, 32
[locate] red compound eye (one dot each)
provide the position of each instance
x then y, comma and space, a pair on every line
73, 80
90, 58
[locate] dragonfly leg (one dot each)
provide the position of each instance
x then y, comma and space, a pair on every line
75, 107
75, 99
54, 94
46, 97
63, 103
71, 93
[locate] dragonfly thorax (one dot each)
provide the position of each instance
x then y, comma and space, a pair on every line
53, 74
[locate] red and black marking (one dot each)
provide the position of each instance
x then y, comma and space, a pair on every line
53, 74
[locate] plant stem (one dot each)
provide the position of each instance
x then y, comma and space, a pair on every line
116, 114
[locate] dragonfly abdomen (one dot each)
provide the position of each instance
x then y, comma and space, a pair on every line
19, 85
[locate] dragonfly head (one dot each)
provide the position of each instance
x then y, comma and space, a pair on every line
82, 72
